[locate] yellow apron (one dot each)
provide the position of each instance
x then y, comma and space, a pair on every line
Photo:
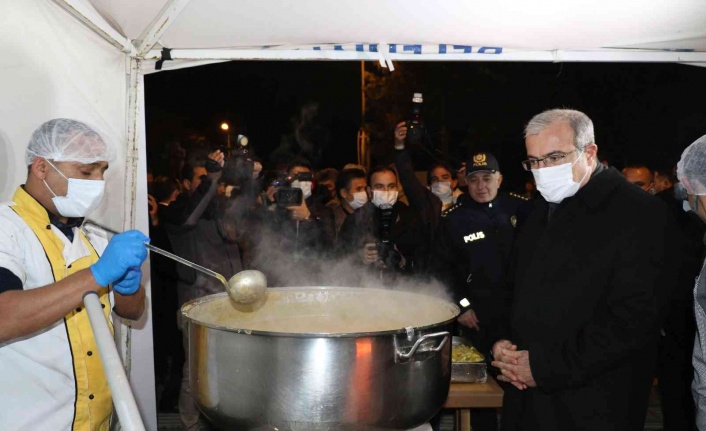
93, 404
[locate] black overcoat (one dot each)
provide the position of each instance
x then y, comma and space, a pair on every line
589, 294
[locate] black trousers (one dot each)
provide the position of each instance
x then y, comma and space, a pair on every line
675, 373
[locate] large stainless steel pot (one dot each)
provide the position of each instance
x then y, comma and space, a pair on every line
320, 359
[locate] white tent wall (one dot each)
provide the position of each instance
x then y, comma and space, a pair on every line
51, 66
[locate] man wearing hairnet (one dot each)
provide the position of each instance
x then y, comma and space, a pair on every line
691, 171
52, 377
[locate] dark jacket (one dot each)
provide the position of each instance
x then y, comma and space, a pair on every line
315, 235
364, 226
680, 323
590, 288
473, 251
196, 231
421, 200
292, 253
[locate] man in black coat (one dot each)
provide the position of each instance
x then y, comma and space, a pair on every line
588, 302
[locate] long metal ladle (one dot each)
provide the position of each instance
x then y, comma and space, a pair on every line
245, 287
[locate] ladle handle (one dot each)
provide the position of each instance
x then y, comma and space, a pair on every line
197, 267
158, 250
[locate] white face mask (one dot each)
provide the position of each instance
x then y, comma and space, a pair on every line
442, 190
359, 199
82, 196
305, 186
384, 199
556, 183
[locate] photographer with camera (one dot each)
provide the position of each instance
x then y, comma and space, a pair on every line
436, 200
300, 223
384, 233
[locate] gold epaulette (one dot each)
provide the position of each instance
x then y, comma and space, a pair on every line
447, 211
518, 196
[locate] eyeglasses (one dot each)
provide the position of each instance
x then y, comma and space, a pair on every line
553, 159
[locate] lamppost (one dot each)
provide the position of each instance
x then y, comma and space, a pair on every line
226, 128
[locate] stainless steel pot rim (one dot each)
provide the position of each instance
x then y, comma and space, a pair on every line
187, 306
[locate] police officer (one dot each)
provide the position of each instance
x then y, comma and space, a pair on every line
473, 248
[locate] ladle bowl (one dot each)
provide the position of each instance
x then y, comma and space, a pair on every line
247, 287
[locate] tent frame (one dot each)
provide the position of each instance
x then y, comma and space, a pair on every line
91, 19
556, 56
166, 17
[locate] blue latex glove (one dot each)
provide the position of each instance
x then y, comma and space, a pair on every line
125, 250
129, 283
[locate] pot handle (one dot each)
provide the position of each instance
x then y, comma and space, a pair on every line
444, 338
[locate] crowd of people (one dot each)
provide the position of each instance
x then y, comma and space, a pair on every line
584, 288
579, 296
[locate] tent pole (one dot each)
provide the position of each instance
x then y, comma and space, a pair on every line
166, 17
134, 90
138, 345
91, 19
615, 55
131, 160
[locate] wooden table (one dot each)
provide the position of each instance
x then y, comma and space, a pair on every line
464, 396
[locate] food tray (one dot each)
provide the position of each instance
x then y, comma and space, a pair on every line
467, 372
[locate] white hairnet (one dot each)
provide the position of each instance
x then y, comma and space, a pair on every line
691, 169
65, 140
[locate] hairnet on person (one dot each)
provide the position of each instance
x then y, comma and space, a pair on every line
65, 140
691, 169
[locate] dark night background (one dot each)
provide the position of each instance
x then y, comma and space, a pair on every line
641, 112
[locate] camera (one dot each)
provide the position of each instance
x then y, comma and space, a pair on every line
286, 195
238, 165
240, 149
415, 125
385, 246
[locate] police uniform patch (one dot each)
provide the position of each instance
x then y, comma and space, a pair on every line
513, 221
474, 237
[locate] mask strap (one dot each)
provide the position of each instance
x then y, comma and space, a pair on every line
588, 170
56, 169
52, 191
578, 158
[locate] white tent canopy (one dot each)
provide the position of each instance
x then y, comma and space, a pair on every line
545, 30
85, 59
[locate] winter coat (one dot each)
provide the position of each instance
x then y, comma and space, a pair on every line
591, 284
